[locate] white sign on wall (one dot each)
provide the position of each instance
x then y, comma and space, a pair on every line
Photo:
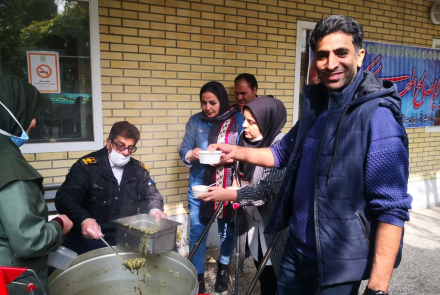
44, 71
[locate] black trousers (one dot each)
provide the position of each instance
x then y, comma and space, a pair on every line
268, 279
298, 275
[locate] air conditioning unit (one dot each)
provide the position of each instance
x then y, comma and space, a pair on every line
435, 13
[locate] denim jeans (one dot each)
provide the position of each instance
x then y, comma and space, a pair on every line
196, 136
298, 275
197, 225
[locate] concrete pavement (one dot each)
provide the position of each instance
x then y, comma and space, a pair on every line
418, 274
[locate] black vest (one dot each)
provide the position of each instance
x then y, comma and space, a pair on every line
344, 228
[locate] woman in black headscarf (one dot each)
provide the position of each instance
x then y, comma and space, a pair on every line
217, 123
26, 236
258, 187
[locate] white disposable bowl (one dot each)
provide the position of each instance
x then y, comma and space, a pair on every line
61, 258
206, 157
199, 189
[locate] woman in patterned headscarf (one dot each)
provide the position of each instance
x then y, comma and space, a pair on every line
264, 118
217, 123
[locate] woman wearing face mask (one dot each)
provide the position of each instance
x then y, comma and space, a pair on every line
264, 118
218, 122
26, 236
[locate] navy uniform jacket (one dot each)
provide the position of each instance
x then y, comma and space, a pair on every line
92, 191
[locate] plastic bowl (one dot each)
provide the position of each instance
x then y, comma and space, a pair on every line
206, 157
199, 189
61, 258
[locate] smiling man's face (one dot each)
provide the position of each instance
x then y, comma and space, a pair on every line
337, 60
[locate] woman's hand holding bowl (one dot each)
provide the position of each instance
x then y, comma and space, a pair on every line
218, 194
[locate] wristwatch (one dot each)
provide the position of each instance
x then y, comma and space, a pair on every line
369, 291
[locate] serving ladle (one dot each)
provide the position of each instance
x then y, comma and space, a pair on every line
132, 264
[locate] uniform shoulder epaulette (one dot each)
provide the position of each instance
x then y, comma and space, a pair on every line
89, 161
144, 166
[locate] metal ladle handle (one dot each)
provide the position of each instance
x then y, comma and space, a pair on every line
108, 245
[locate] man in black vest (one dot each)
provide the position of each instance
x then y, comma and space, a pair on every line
344, 196
106, 185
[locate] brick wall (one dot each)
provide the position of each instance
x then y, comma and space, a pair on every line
156, 54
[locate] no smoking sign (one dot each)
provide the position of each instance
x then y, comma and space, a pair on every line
43, 69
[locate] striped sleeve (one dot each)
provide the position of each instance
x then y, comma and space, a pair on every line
263, 193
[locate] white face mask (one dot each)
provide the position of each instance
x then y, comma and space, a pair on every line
118, 159
258, 138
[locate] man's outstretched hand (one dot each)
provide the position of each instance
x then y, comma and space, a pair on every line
229, 152
218, 194
260, 157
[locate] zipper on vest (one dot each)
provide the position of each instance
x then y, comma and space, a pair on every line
335, 150
315, 205
364, 229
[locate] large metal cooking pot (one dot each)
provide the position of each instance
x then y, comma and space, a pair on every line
100, 272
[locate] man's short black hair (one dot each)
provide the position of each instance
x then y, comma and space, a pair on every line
124, 129
250, 80
337, 24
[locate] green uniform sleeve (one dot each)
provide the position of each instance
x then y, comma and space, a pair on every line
23, 213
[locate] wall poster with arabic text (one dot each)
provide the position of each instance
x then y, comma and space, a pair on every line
416, 72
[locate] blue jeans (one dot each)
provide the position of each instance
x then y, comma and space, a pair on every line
197, 225
298, 275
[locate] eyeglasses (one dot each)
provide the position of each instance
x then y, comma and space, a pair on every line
121, 147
